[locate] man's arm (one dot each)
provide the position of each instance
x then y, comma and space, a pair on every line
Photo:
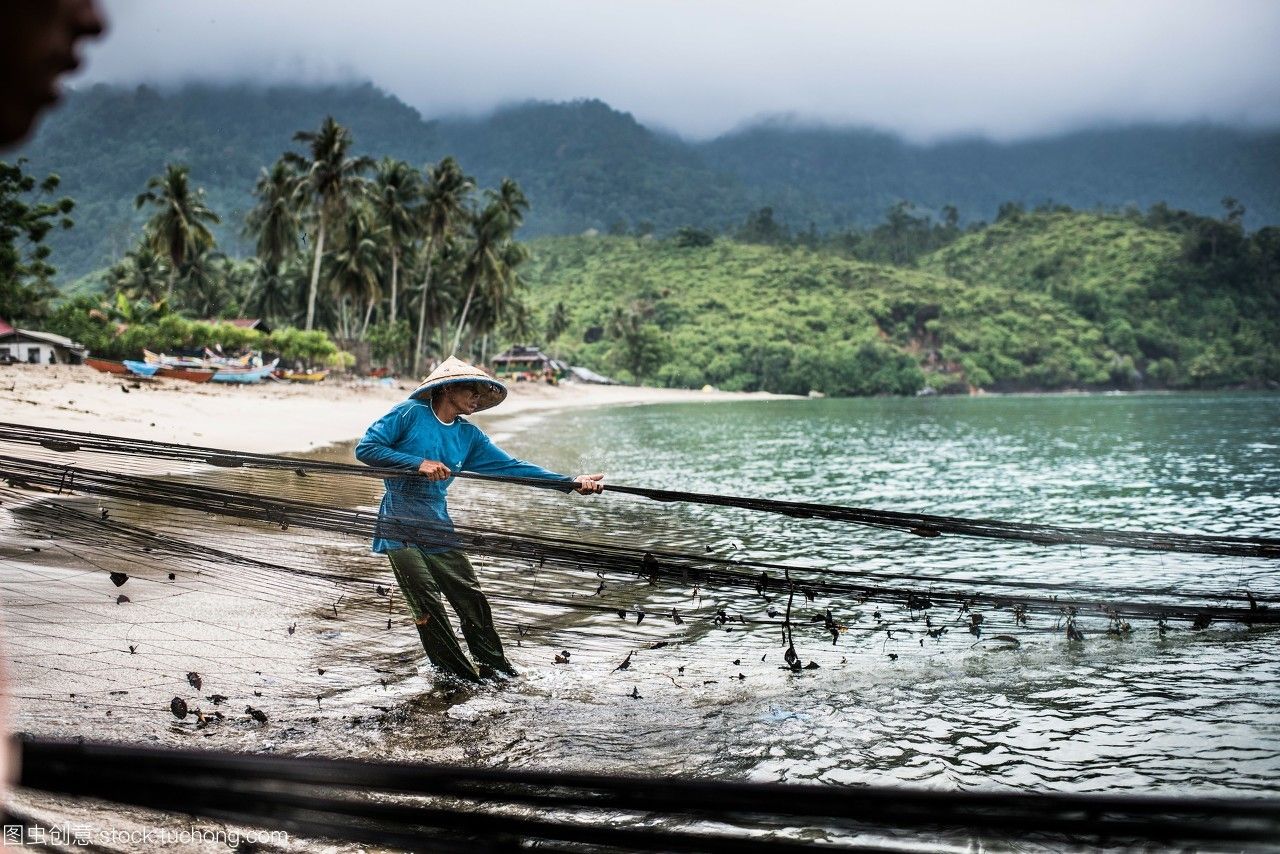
487, 458
378, 447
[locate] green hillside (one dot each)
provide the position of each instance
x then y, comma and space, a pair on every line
1190, 303
1038, 301
791, 320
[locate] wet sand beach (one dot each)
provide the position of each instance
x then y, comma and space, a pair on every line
272, 417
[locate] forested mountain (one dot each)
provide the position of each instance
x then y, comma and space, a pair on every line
584, 165
1037, 301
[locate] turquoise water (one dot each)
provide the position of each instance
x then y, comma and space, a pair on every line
1186, 711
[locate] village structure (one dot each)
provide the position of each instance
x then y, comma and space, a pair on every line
37, 348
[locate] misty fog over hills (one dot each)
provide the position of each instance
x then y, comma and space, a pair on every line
585, 165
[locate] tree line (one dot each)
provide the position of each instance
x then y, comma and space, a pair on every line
414, 264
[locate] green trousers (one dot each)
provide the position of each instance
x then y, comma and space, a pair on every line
423, 578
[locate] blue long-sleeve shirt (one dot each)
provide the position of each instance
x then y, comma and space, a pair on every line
411, 433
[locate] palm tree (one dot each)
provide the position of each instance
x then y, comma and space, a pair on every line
141, 275
511, 200
396, 193
328, 180
270, 297
491, 261
273, 222
180, 228
356, 272
204, 285
557, 322
443, 206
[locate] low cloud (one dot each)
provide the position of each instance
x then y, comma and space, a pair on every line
926, 70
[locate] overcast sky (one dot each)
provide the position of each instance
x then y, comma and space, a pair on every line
924, 68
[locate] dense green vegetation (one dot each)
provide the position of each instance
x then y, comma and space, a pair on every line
584, 165
1047, 300
123, 329
1184, 301
357, 248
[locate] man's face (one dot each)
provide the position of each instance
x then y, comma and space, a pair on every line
37, 44
464, 397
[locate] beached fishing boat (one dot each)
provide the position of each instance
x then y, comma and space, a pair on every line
192, 375
243, 375
210, 360
303, 376
107, 366
142, 369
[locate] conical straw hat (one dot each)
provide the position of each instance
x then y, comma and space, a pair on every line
454, 370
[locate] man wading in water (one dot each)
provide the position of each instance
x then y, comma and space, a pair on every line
425, 434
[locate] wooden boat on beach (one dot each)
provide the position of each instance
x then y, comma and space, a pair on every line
191, 375
107, 366
303, 376
243, 375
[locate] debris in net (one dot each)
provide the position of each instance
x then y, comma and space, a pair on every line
194, 679
217, 699
172, 576
675, 617
561, 658
626, 663
133, 650
118, 578
635, 693
257, 714
293, 627
121, 599
177, 705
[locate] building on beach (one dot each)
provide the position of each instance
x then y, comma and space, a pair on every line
38, 348
527, 362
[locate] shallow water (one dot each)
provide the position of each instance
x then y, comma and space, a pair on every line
1186, 711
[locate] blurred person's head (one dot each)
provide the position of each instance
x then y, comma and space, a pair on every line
38, 41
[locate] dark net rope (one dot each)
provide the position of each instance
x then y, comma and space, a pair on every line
926, 525
571, 551
383, 803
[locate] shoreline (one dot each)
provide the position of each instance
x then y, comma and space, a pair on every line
287, 418
273, 417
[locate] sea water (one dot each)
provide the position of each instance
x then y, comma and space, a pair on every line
1181, 712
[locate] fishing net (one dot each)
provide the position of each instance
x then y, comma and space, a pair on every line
203, 552
148, 581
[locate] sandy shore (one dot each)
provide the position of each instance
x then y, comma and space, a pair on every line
268, 418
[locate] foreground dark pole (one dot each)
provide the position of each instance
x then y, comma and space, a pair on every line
431, 807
